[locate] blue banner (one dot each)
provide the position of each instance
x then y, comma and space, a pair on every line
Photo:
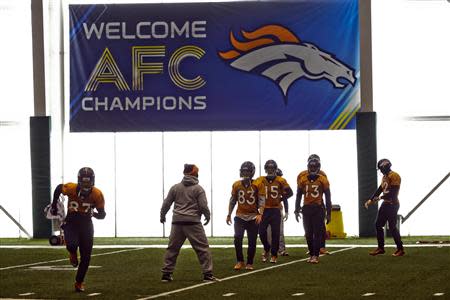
290, 65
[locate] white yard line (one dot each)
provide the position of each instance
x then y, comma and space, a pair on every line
64, 259
220, 246
234, 276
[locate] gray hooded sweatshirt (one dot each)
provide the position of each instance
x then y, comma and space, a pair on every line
190, 201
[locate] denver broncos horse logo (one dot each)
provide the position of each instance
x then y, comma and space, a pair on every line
278, 54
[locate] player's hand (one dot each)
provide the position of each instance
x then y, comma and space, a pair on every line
297, 216
328, 218
162, 220
206, 222
229, 220
368, 202
258, 219
286, 216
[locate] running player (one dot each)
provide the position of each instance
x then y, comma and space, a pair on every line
84, 197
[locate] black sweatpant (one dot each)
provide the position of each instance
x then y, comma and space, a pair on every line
313, 216
79, 233
388, 213
240, 226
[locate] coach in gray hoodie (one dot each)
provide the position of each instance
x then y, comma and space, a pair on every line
190, 203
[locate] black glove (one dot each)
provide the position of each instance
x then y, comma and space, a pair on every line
206, 222
297, 216
162, 219
54, 209
328, 217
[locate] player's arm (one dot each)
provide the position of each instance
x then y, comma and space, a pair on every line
203, 206
261, 204
166, 205
374, 198
327, 194
261, 197
298, 201
231, 206
56, 194
288, 193
99, 207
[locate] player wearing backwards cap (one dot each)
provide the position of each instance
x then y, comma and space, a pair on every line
245, 193
190, 204
78, 227
390, 187
313, 185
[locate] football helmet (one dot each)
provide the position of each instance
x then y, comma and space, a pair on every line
279, 172
313, 166
86, 179
247, 170
314, 156
270, 167
384, 165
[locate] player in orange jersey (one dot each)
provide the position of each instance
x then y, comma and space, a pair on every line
84, 197
245, 193
313, 186
323, 250
273, 190
390, 187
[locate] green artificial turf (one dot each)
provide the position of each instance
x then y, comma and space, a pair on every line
135, 273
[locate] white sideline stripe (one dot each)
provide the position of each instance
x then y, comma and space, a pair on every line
64, 259
222, 246
234, 276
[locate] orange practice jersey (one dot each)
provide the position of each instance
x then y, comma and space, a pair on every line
313, 190
388, 181
246, 198
272, 190
79, 204
305, 172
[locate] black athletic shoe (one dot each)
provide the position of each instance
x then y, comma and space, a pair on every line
166, 277
209, 277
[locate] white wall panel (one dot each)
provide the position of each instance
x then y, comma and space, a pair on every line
139, 184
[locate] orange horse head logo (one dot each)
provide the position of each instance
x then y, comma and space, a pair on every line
275, 52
